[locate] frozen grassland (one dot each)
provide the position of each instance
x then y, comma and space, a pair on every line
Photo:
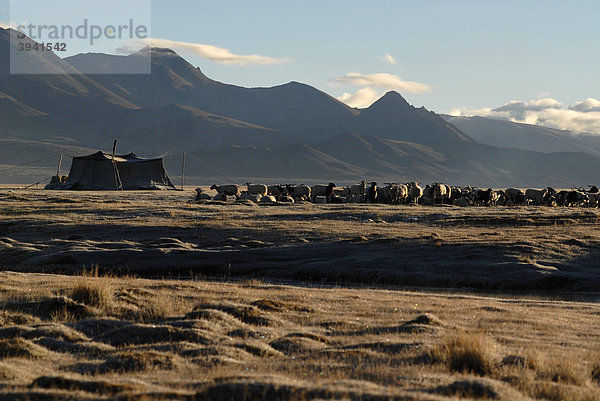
114, 328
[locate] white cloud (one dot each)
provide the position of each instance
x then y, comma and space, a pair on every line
541, 95
361, 98
388, 58
579, 117
13, 25
470, 112
213, 53
518, 110
382, 81
373, 86
588, 105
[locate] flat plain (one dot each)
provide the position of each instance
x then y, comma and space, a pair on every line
147, 295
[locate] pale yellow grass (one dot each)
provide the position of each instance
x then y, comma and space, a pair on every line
208, 340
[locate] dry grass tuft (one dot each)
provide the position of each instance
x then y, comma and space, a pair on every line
138, 361
270, 305
16, 319
56, 308
595, 367
64, 309
153, 334
596, 372
252, 282
153, 309
561, 392
466, 352
248, 314
156, 307
7, 373
89, 386
20, 348
566, 371
96, 292
428, 319
550, 378
478, 389
526, 258
296, 345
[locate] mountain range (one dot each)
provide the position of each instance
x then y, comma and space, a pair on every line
287, 133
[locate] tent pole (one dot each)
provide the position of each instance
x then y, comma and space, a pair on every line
183, 171
58, 168
118, 182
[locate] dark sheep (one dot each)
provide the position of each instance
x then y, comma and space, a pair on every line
372, 193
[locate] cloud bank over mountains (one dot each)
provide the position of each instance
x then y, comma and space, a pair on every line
217, 54
588, 105
374, 86
582, 116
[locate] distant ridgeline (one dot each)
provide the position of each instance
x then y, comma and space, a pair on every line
290, 132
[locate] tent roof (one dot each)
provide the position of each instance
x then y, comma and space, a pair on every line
103, 156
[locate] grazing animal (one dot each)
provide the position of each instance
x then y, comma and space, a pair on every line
302, 191
514, 197
358, 189
275, 190
448, 192
415, 192
224, 197
286, 199
200, 196
577, 198
372, 193
231, 190
268, 199
440, 193
257, 189
428, 197
495, 197
343, 191
329, 190
512, 193
384, 194
320, 200
251, 197
395, 193
402, 194
455, 193
535, 196
498, 198
549, 197
462, 201
321, 190
594, 199
483, 197
337, 199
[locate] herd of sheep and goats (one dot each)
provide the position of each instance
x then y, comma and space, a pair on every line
398, 194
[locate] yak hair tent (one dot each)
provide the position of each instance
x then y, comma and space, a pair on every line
102, 171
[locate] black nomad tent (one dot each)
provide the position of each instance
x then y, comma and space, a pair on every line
102, 171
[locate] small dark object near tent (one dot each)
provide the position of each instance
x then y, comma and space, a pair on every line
102, 171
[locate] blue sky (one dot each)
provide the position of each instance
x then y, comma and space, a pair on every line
470, 57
